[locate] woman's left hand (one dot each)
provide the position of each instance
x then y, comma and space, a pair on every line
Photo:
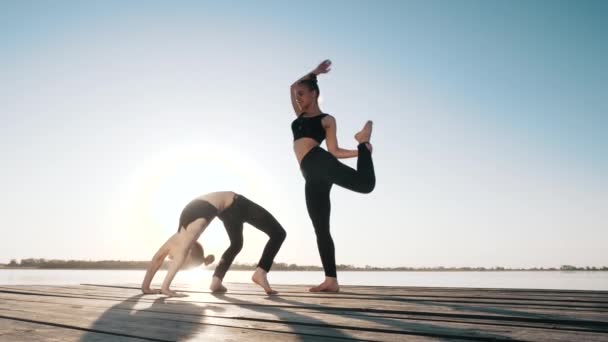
323, 68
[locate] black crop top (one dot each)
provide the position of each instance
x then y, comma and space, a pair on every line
310, 127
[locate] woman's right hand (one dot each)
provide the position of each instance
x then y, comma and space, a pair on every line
323, 68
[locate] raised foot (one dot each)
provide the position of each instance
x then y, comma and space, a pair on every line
364, 134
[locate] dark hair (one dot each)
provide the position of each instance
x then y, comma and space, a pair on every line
311, 84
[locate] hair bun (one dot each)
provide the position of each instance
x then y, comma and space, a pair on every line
209, 259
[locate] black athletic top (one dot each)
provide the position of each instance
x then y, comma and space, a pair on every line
308, 127
196, 209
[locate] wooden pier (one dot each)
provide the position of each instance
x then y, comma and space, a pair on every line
91, 312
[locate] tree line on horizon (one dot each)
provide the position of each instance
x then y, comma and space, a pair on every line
42, 263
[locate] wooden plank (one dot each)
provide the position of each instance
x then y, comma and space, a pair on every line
19, 331
475, 329
155, 322
546, 302
398, 291
115, 320
376, 307
263, 317
512, 317
345, 316
548, 297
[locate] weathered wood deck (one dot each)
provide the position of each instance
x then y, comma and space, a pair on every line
120, 313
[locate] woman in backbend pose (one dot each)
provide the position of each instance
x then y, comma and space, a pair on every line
234, 210
321, 169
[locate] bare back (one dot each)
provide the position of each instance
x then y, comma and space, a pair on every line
184, 238
219, 199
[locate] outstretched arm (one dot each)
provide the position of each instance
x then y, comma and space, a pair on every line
153, 267
329, 123
178, 260
322, 68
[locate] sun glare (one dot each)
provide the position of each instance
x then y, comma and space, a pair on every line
163, 185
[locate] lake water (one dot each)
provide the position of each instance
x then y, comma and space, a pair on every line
568, 280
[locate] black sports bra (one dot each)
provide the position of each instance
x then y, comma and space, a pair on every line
310, 127
196, 209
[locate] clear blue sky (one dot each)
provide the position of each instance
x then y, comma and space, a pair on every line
490, 138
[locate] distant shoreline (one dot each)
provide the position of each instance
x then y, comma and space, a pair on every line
307, 270
319, 270
43, 264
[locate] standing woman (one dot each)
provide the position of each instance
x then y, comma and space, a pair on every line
321, 168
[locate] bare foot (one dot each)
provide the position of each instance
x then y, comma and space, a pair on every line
259, 277
171, 293
329, 285
151, 291
364, 134
216, 285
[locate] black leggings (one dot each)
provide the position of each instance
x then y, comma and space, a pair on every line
321, 170
243, 210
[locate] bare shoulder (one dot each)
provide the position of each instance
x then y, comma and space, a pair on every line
328, 121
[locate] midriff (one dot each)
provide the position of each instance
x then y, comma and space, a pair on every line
302, 146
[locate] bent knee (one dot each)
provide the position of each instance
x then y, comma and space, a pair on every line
367, 188
281, 235
236, 246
